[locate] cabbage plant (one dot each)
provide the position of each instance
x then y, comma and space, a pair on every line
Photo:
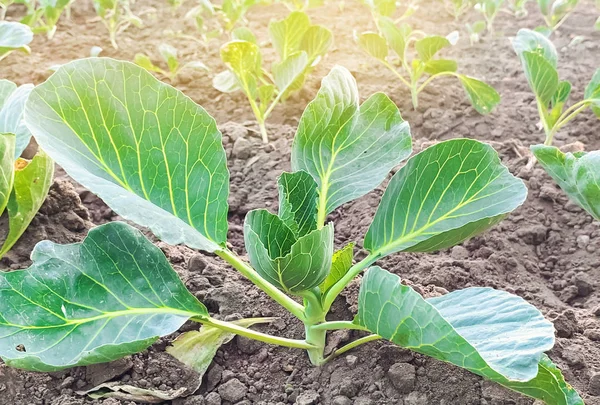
116, 15
391, 47
300, 46
489, 10
577, 174
556, 12
156, 158
540, 59
14, 36
24, 184
41, 15
171, 58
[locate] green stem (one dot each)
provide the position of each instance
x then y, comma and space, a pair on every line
337, 325
402, 79
565, 117
317, 337
263, 131
247, 271
352, 345
354, 271
430, 78
252, 334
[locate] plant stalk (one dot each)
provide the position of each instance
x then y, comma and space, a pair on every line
315, 336
352, 345
252, 334
284, 300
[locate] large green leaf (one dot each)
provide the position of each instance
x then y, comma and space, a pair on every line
286, 35
14, 36
578, 175
483, 97
348, 148
293, 265
298, 202
109, 296
444, 195
489, 332
373, 44
7, 168
151, 153
429, 46
12, 107
436, 66
32, 181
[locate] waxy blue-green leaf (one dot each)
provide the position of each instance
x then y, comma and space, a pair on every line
96, 301
298, 202
341, 262
534, 42
592, 92
7, 168
226, 82
12, 108
577, 175
491, 333
14, 36
151, 153
429, 46
32, 181
292, 264
483, 97
373, 44
444, 195
346, 147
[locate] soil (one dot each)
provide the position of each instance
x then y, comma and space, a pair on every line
547, 251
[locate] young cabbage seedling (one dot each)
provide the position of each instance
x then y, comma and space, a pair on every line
389, 8
204, 16
489, 9
425, 65
14, 36
475, 30
556, 12
116, 16
170, 57
24, 184
156, 158
456, 8
539, 59
300, 46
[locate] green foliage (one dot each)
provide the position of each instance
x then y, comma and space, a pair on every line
457, 8
116, 16
14, 36
540, 60
170, 57
300, 46
114, 139
577, 174
424, 66
391, 8
489, 9
42, 15
475, 30
556, 12
24, 184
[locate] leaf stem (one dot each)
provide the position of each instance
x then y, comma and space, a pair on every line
430, 78
252, 334
564, 118
402, 79
247, 271
352, 345
355, 270
337, 325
